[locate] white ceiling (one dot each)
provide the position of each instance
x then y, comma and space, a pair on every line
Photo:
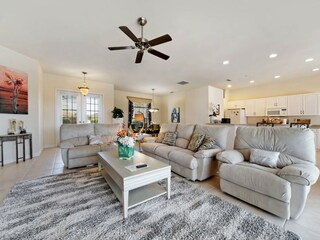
71, 36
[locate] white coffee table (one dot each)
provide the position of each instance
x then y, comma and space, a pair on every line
133, 188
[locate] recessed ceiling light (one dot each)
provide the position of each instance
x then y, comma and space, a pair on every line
309, 60
273, 55
229, 86
252, 81
226, 62
277, 76
315, 69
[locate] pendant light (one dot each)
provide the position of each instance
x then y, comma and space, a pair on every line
153, 109
84, 89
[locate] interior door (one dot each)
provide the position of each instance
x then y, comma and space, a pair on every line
74, 108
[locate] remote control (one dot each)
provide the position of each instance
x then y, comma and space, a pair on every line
141, 165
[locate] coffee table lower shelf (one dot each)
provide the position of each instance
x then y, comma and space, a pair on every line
138, 195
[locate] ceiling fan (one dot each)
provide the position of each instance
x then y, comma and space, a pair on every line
142, 43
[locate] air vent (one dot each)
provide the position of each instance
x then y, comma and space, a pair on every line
183, 83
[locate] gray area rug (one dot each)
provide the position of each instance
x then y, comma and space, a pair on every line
81, 205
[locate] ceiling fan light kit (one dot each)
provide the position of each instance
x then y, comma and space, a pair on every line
143, 44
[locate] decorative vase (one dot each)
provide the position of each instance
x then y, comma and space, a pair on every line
125, 152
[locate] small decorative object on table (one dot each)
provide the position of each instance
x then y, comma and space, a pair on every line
126, 141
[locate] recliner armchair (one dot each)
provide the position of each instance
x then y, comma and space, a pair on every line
271, 168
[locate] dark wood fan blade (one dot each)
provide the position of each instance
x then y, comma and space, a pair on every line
160, 40
158, 54
121, 48
127, 31
139, 57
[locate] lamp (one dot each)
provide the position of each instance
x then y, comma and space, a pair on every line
153, 109
84, 89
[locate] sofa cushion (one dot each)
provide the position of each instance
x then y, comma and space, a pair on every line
264, 158
259, 167
79, 141
93, 140
107, 139
151, 146
185, 132
170, 138
107, 147
168, 127
219, 134
283, 140
184, 158
68, 131
83, 151
164, 150
208, 143
195, 142
101, 129
256, 180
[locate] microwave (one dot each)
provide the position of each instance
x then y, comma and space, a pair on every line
277, 112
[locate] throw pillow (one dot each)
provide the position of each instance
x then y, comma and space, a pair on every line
264, 158
160, 137
195, 141
93, 140
170, 138
230, 156
208, 143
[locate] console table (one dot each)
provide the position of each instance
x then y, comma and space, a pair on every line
18, 139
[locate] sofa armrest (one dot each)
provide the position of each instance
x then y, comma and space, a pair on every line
149, 139
66, 144
207, 153
304, 174
230, 156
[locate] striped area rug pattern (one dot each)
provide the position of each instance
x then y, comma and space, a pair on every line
80, 205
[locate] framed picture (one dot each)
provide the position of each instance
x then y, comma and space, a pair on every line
175, 115
13, 91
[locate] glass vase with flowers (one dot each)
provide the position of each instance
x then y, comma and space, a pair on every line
126, 141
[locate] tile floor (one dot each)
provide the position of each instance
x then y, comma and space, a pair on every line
50, 162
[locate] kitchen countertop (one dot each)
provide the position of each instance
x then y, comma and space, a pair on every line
314, 126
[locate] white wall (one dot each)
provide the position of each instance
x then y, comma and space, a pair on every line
170, 101
32, 121
52, 83
121, 101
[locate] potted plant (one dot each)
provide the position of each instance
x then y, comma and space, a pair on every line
117, 115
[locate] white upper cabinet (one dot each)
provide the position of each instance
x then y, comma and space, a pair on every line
305, 104
235, 104
255, 107
273, 102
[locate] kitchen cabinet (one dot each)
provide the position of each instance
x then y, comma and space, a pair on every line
273, 102
304, 104
255, 107
235, 104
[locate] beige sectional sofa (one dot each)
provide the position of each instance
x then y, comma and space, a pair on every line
191, 165
271, 168
75, 142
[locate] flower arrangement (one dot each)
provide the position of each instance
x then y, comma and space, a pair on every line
126, 138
